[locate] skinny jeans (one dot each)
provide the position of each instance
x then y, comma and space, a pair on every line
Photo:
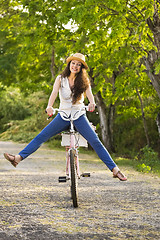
58, 125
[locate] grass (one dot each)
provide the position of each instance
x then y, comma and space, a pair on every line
18, 131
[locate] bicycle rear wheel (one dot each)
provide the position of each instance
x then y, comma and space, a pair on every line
73, 180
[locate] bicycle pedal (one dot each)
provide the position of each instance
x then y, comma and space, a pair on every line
85, 174
62, 179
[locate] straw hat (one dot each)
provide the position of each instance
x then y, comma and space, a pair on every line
79, 57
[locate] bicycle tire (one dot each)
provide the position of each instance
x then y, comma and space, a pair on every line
73, 180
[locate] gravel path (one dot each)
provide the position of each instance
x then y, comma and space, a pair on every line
34, 206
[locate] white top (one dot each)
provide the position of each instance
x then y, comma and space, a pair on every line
66, 105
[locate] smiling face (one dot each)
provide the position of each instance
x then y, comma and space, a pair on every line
75, 66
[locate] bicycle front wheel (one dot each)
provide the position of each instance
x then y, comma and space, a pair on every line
73, 180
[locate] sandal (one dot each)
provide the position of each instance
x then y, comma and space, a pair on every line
11, 158
120, 175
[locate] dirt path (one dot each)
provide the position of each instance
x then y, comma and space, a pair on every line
34, 206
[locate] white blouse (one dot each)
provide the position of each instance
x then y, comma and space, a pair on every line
66, 105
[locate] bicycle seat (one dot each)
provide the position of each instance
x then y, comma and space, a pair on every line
68, 129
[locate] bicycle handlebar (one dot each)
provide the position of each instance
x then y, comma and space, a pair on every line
67, 118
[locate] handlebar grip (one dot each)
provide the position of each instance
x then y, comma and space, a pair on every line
48, 115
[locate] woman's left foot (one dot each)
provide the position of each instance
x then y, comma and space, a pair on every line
120, 175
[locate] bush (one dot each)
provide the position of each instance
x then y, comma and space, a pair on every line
143, 168
147, 158
21, 117
13, 106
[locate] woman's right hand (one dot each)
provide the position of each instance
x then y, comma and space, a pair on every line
49, 111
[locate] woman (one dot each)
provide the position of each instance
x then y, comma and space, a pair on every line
72, 84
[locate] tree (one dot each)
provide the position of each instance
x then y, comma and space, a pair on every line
114, 36
120, 40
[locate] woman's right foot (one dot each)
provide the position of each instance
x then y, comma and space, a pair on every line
13, 159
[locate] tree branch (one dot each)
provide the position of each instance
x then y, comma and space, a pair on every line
110, 9
150, 38
138, 10
150, 24
129, 11
136, 24
52, 63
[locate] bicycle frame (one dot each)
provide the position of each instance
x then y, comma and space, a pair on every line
75, 149
71, 144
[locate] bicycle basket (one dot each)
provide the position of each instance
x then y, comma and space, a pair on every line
79, 140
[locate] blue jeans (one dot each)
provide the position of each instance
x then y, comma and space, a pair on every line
58, 125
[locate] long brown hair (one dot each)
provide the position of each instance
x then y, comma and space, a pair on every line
81, 82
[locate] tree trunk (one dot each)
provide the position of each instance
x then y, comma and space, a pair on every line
110, 125
102, 110
53, 63
153, 55
143, 117
106, 121
158, 123
106, 115
155, 78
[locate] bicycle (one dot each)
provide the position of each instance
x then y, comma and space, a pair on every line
72, 140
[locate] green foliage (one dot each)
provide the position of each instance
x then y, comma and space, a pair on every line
143, 168
148, 155
129, 135
19, 113
13, 106
148, 159
19, 131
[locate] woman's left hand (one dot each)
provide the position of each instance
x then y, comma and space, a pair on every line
91, 107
